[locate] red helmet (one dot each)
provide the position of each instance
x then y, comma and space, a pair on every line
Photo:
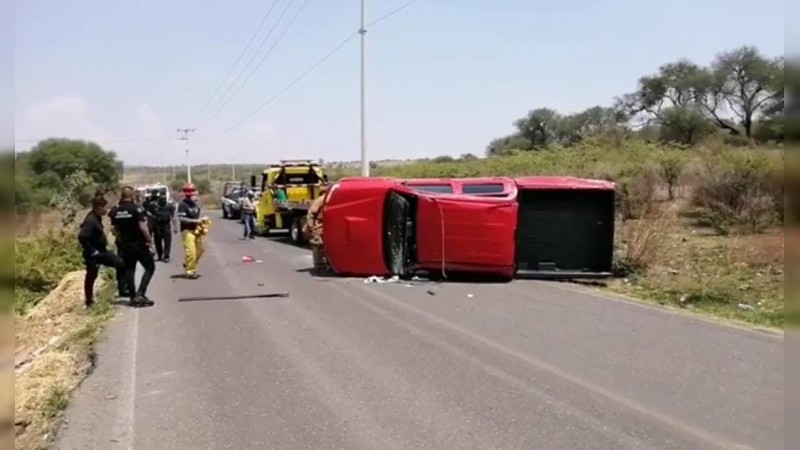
189, 189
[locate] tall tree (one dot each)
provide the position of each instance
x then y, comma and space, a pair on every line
748, 82
539, 127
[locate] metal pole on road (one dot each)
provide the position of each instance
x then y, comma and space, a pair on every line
185, 138
363, 32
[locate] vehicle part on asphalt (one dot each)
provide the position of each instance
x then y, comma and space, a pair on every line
234, 297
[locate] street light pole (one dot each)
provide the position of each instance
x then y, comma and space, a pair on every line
363, 32
185, 138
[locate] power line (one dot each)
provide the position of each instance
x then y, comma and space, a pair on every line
319, 63
241, 55
224, 102
111, 140
295, 81
274, 44
391, 13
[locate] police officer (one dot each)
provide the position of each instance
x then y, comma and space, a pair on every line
150, 207
135, 243
92, 238
164, 214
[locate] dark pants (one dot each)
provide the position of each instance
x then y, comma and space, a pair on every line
93, 264
131, 255
163, 238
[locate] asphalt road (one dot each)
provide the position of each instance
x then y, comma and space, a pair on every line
340, 364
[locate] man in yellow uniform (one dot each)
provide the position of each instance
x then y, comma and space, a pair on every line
313, 229
190, 220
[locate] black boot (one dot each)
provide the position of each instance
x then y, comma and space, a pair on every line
141, 301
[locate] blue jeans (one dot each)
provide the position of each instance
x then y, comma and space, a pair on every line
249, 220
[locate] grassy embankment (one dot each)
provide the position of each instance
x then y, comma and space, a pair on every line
54, 334
699, 229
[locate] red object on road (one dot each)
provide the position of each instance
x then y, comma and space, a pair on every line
382, 226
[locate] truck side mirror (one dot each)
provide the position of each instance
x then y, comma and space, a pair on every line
252, 181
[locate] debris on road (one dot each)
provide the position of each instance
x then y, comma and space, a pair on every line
234, 297
250, 259
376, 279
431, 293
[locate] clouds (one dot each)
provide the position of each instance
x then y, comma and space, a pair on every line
64, 116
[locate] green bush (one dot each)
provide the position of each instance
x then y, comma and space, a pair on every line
40, 262
736, 191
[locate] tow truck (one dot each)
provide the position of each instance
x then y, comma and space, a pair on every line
287, 191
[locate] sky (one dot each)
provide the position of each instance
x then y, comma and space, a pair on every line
443, 76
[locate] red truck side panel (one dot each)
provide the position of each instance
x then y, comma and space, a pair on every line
469, 235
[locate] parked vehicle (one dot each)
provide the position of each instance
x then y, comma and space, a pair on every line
232, 204
287, 191
231, 191
383, 226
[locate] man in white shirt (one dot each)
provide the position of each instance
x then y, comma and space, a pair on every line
249, 215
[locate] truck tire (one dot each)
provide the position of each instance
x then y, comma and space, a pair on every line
225, 214
296, 231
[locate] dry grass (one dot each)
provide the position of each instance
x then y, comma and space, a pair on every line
734, 277
6, 381
34, 223
55, 337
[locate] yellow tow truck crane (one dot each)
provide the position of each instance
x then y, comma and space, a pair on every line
287, 191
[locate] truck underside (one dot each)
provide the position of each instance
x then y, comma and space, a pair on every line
399, 236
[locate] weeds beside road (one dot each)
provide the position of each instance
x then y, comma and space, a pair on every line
54, 334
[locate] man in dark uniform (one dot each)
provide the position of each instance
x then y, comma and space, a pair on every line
92, 238
135, 243
164, 213
150, 207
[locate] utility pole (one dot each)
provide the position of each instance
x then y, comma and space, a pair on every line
185, 138
363, 32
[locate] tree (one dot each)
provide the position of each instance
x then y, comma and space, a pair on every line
683, 125
748, 82
47, 169
539, 127
63, 157
506, 145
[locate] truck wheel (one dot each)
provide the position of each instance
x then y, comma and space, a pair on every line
225, 214
296, 231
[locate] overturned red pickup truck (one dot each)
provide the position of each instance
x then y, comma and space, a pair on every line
534, 227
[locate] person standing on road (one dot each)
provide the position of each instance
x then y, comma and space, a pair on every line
313, 229
189, 219
136, 244
164, 214
249, 215
150, 207
94, 242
